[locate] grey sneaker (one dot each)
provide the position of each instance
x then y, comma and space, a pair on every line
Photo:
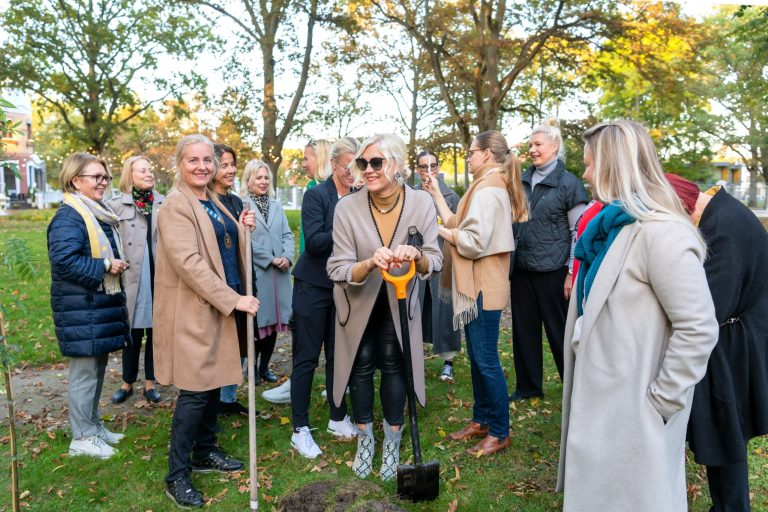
447, 375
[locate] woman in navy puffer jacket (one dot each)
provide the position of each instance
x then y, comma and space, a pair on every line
87, 296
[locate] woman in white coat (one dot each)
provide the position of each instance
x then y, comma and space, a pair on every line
640, 329
273, 256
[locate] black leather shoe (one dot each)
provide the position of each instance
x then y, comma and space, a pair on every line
121, 395
151, 395
268, 376
233, 408
217, 461
184, 494
517, 396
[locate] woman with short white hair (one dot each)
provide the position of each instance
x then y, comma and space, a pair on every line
641, 326
386, 225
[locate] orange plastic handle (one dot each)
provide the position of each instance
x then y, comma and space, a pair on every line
400, 282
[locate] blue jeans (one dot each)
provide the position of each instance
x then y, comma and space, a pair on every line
228, 394
489, 387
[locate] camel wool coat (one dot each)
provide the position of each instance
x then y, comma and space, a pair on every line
646, 334
195, 338
356, 238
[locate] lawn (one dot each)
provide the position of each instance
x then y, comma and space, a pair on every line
521, 478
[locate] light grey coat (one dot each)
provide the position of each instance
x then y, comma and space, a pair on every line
133, 233
355, 238
646, 334
272, 239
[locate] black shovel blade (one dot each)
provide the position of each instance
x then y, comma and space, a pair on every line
419, 482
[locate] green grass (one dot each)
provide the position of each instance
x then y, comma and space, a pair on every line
521, 478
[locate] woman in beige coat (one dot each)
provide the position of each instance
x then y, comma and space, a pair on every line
201, 254
384, 226
136, 208
640, 328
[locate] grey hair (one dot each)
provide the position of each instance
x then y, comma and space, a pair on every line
343, 146
251, 169
393, 149
551, 128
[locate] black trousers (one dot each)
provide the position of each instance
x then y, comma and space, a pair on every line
379, 348
729, 487
314, 318
265, 347
131, 355
537, 297
193, 430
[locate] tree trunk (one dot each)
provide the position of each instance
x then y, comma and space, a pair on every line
11, 415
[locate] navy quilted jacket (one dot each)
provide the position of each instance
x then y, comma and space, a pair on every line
88, 321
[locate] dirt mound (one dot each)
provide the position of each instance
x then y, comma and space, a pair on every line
336, 496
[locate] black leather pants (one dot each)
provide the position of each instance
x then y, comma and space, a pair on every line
379, 347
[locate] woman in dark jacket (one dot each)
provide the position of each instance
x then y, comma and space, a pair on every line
87, 296
540, 282
136, 208
730, 404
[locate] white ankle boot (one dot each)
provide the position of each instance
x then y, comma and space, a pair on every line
366, 444
390, 452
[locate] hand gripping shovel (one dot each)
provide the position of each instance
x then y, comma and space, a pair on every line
254, 502
417, 481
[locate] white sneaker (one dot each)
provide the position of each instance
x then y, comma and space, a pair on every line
109, 437
303, 443
279, 395
447, 374
342, 429
92, 446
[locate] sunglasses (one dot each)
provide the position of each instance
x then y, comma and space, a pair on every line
376, 163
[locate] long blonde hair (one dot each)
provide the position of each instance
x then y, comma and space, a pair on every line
495, 142
322, 149
126, 177
627, 170
251, 168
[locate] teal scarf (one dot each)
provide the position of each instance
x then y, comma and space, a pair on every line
593, 245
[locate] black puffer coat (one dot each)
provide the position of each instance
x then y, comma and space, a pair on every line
87, 320
544, 242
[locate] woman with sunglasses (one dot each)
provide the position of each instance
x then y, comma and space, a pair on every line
437, 315
386, 225
313, 309
87, 296
477, 256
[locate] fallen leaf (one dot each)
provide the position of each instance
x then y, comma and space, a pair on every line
456, 471
453, 506
284, 420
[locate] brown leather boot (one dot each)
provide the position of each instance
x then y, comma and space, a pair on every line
473, 429
489, 445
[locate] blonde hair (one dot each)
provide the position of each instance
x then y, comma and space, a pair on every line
393, 149
496, 143
72, 167
189, 140
343, 146
126, 177
551, 128
627, 170
322, 149
251, 169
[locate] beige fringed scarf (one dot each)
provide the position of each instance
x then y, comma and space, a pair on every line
457, 279
92, 211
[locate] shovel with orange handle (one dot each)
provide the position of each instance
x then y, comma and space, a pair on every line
418, 481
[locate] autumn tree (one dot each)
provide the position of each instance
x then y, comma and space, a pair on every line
654, 72
479, 51
736, 81
87, 58
273, 59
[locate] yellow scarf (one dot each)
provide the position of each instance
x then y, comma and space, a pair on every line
91, 212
